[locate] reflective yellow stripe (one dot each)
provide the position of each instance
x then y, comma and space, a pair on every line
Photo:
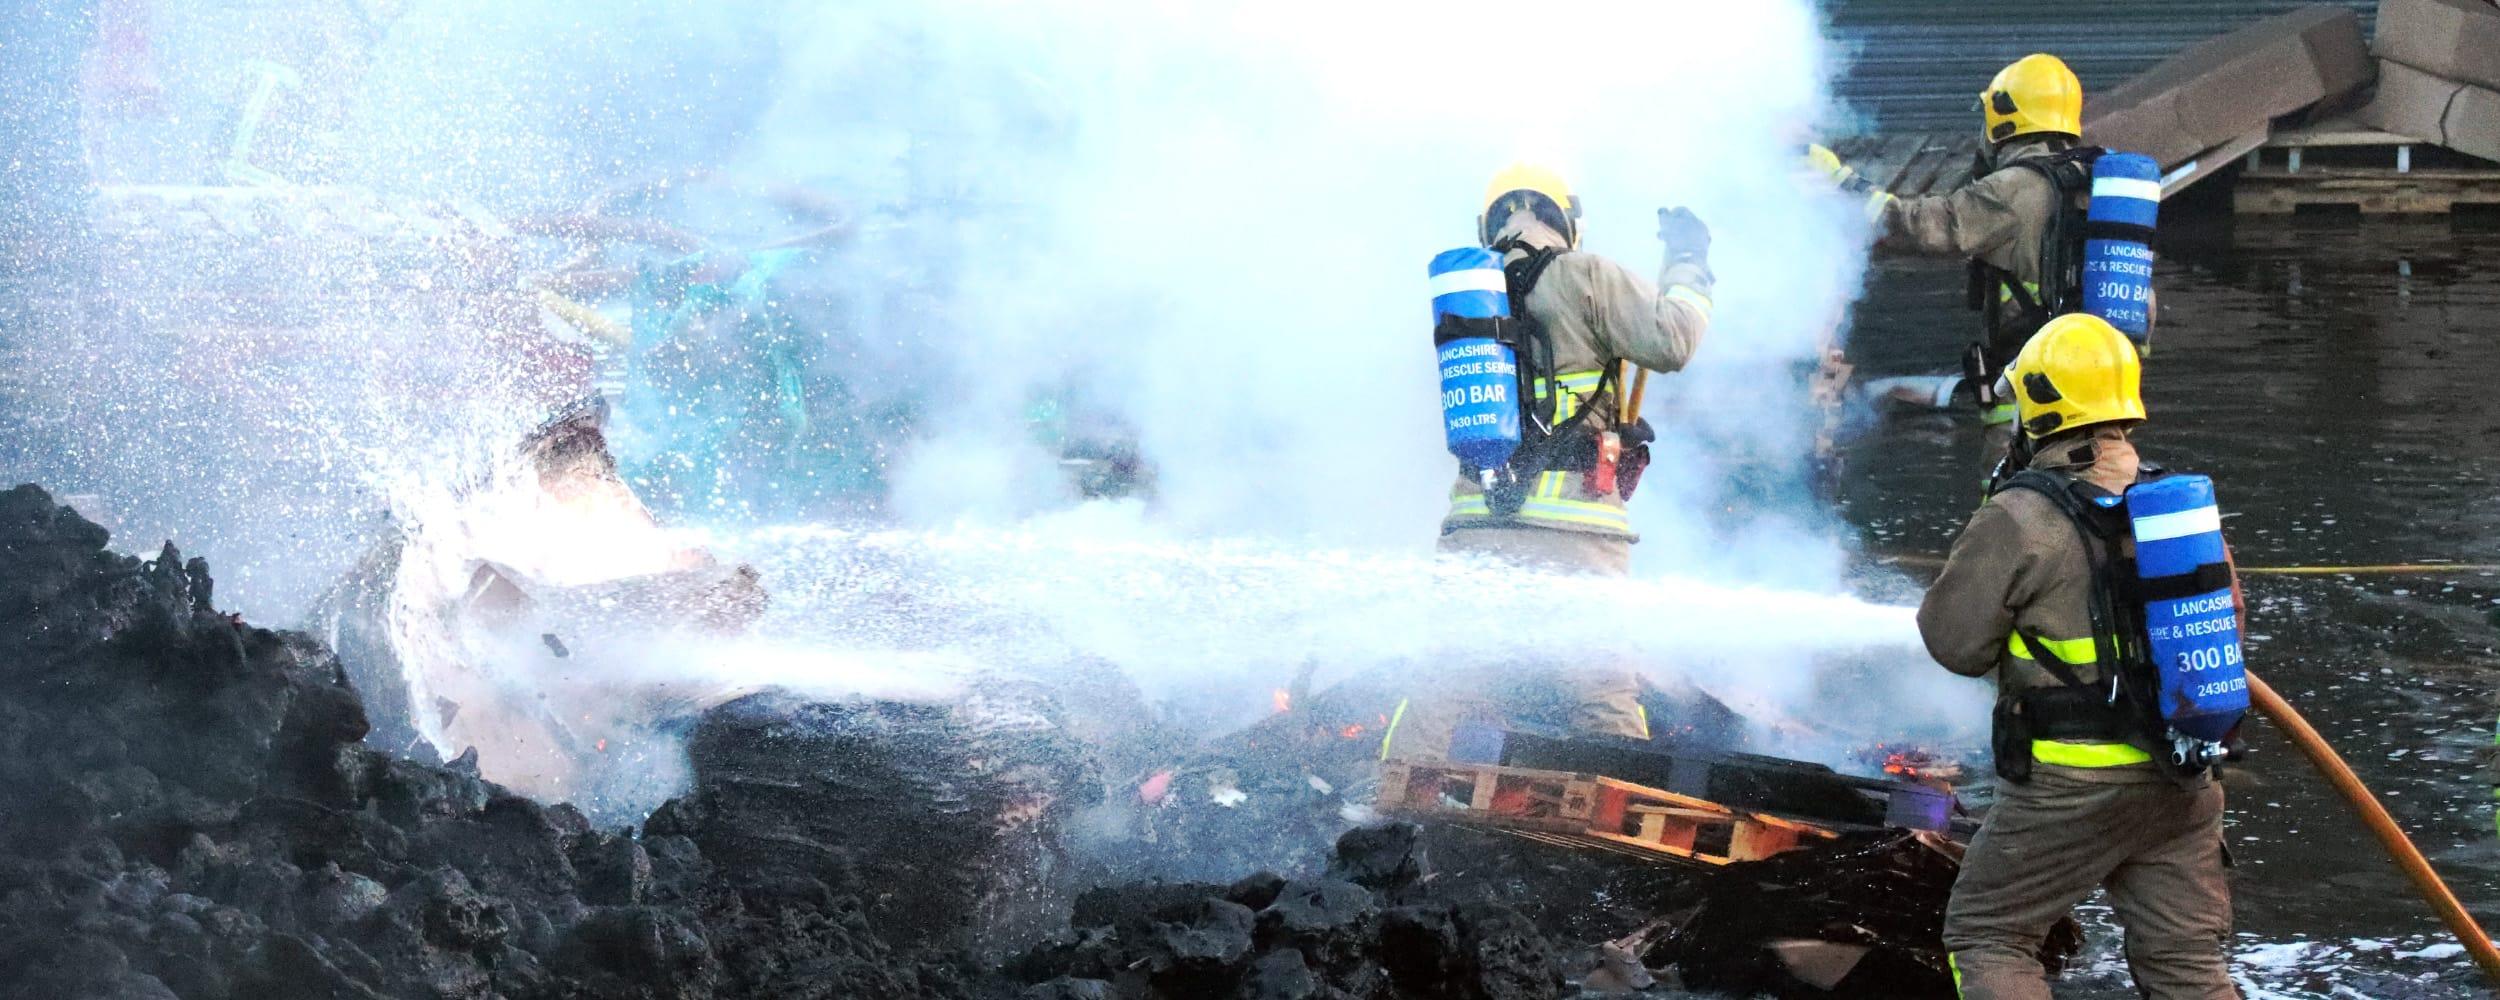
1876, 203
1551, 509
1954, 962
1644, 710
1691, 297
1550, 486
2002, 413
1576, 512
2086, 754
1576, 388
2079, 652
1391, 733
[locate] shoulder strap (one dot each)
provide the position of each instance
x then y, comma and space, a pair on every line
2070, 170
2061, 247
1536, 346
1988, 278
1526, 271
2102, 555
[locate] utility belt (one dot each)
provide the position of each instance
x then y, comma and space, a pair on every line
2074, 722
1609, 461
2071, 726
1585, 450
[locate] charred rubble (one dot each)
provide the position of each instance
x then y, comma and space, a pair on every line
1366, 927
189, 808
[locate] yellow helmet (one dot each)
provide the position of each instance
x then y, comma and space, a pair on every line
2076, 372
1533, 187
2035, 94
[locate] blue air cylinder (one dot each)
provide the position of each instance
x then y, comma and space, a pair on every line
1479, 372
2188, 611
2118, 238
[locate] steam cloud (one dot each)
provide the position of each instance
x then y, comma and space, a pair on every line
1213, 219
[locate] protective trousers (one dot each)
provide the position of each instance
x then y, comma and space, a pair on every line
1586, 697
2156, 847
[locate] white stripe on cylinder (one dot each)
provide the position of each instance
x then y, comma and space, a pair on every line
2178, 524
1474, 279
2126, 187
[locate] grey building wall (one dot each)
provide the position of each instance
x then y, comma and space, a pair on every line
1918, 65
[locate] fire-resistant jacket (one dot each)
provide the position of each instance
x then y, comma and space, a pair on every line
2021, 565
2000, 218
1598, 313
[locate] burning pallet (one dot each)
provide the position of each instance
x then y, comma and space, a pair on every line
1571, 809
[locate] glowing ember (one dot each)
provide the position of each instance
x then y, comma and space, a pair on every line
1910, 763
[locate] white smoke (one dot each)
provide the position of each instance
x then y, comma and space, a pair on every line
1218, 214
1221, 212
1212, 218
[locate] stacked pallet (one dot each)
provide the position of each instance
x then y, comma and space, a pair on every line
2421, 144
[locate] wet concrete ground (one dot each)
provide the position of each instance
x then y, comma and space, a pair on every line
2341, 382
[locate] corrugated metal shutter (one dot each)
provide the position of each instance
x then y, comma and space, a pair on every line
1917, 65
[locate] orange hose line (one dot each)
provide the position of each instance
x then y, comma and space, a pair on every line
2417, 869
2376, 569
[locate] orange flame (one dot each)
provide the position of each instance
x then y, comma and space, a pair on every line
1283, 700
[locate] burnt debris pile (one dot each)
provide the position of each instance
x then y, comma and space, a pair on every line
189, 808
186, 809
1365, 928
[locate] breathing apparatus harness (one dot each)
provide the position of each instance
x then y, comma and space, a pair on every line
1550, 439
2122, 702
2069, 172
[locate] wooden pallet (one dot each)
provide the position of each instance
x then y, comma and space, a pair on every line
1589, 811
2379, 173
2420, 192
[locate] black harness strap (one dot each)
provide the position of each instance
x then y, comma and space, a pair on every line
1547, 436
1523, 275
2069, 174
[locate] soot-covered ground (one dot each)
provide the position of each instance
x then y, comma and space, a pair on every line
187, 809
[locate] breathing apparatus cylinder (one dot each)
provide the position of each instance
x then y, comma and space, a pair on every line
1480, 412
2118, 237
2190, 615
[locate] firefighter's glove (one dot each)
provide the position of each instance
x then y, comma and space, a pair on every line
1685, 236
1820, 161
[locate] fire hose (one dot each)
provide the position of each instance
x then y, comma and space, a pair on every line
2408, 858
1925, 560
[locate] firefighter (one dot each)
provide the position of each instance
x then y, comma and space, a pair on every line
2084, 804
1565, 513
2019, 221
